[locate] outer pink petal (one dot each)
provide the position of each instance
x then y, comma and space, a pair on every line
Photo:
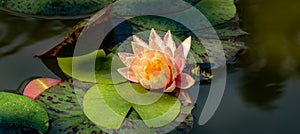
37, 86
184, 81
128, 74
126, 58
137, 48
168, 41
179, 58
168, 51
186, 46
140, 42
155, 42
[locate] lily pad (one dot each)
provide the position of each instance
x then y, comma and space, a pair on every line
216, 11
55, 7
21, 110
132, 124
37, 86
106, 108
63, 105
61, 101
93, 67
230, 49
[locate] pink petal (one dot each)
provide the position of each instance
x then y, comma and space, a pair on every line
184, 81
128, 74
168, 41
140, 42
168, 51
37, 86
186, 46
184, 97
137, 48
155, 41
180, 62
179, 58
179, 52
126, 58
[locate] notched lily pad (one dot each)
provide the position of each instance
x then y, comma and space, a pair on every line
63, 104
106, 108
21, 110
93, 67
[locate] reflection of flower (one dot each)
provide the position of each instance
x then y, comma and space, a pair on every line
158, 65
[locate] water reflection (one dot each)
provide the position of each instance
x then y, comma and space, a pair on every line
274, 55
21, 38
17, 33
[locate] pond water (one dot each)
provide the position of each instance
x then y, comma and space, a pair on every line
263, 88
262, 91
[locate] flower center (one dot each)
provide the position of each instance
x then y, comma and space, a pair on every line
153, 66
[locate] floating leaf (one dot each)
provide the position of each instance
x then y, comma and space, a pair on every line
55, 7
82, 68
61, 101
230, 50
63, 105
137, 8
35, 87
230, 30
21, 110
105, 107
81, 124
216, 11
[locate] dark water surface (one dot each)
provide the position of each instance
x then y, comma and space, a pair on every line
21, 38
263, 88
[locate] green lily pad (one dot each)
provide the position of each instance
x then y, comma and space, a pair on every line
61, 101
216, 11
82, 68
132, 124
21, 110
64, 106
230, 50
105, 107
55, 7
229, 30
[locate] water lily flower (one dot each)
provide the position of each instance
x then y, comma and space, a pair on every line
158, 65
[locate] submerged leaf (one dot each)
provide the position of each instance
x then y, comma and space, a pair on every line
105, 107
17, 109
37, 86
82, 68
